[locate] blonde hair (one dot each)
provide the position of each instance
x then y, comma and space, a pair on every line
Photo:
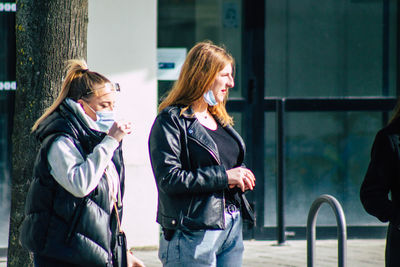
198, 73
79, 83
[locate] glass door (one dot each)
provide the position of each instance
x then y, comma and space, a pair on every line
334, 64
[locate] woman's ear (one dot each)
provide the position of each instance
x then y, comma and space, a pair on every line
80, 101
88, 110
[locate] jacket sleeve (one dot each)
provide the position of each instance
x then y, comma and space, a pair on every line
377, 184
75, 174
167, 149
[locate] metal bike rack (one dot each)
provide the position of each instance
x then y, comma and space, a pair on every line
311, 231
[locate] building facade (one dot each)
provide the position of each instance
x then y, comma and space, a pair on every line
7, 92
314, 82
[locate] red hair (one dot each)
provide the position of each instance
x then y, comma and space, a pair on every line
199, 71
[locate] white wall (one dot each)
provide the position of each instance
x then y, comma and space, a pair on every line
122, 46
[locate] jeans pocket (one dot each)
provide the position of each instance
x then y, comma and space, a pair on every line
169, 251
198, 248
194, 235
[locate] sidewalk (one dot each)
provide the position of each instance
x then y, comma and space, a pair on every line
360, 253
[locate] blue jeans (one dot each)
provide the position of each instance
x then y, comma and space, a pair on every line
221, 248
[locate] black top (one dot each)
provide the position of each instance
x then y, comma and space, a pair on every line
229, 151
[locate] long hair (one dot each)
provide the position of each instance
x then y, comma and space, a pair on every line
79, 83
396, 111
202, 64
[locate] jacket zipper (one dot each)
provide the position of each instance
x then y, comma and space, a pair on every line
75, 219
219, 163
223, 208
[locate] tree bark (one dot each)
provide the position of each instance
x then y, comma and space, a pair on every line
48, 32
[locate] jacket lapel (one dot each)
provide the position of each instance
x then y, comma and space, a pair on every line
198, 132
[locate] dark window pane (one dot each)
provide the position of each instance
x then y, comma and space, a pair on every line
331, 159
330, 48
183, 23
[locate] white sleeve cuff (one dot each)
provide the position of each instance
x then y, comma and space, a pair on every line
110, 143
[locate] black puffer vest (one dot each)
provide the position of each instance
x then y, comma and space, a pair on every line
57, 224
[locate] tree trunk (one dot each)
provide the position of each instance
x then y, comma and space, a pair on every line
47, 34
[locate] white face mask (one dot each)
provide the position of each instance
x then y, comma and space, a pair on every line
209, 98
105, 119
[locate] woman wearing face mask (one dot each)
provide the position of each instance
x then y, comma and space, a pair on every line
197, 160
78, 176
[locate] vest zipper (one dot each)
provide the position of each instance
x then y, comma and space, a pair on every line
75, 219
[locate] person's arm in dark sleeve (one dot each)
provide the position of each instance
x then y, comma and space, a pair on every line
381, 173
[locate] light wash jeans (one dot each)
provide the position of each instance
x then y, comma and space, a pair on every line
216, 248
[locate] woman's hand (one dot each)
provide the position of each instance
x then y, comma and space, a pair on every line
133, 261
242, 178
119, 129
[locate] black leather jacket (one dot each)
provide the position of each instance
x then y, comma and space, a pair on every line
190, 179
382, 177
380, 190
58, 225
